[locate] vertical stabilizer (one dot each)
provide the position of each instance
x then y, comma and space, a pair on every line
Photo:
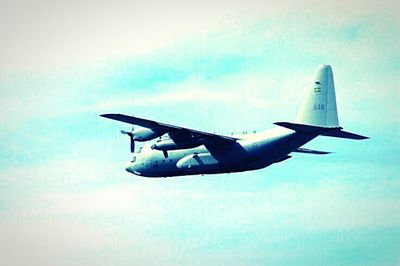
319, 107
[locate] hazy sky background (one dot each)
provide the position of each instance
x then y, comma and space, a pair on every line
218, 66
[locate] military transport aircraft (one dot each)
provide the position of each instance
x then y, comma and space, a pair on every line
182, 151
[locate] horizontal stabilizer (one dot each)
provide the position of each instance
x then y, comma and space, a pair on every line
304, 150
303, 128
343, 134
336, 132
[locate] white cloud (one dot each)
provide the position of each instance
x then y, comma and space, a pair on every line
48, 242
47, 35
185, 30
329, 205
133, 218
78, 242
261, 94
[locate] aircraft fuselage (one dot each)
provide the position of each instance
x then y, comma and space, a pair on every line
251, 152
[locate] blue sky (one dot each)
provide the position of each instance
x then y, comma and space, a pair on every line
216, 66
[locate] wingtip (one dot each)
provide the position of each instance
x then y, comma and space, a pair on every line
361, 137
107, 115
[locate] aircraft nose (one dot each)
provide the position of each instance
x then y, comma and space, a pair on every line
128, 167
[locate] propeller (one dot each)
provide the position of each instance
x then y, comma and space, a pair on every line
130, 134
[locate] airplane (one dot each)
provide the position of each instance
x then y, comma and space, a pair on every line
180, 151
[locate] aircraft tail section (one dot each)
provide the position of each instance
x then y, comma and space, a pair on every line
319, 107
318, 114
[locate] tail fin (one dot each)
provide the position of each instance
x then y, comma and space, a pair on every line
319, 108
318, 114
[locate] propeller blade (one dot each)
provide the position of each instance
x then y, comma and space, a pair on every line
132, 145
130, 134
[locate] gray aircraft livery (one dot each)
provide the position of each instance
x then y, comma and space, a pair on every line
182, 151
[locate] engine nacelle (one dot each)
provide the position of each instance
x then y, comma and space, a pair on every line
202, 161
145, 134
168, 145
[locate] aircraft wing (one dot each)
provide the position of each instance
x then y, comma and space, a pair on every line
175, 132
